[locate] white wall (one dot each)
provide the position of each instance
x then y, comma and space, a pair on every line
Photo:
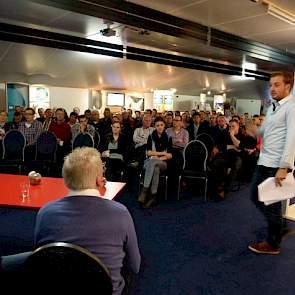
148, 100
68, 98
251, 106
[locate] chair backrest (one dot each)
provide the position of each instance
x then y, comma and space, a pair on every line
14, 144
46, 146
97, 139
207, 140
83, 139
195, 156
67, 265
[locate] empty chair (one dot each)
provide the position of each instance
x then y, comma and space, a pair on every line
83, 139
13, 144
194, 164
46, 147
69, 267
45, 157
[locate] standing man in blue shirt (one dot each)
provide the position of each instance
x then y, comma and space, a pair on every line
276, 156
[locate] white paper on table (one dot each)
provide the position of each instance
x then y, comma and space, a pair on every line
269, 193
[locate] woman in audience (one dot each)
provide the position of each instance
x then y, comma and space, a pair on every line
158, 152
185, 120
114, 150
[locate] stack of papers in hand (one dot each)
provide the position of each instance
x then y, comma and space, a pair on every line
269, 193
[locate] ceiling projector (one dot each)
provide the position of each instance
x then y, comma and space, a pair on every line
108, 32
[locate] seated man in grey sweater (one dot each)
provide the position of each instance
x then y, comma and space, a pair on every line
102, 226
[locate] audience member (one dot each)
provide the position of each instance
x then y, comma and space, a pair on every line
17, 118
196, 128
103, 227
31, 129
73, 119
41, 114
62, 131
48, 119
82, 127
179, 138
87, 114
140, 138
4, 125
115, 150
76, 110
106, 122
158, 152
168, 120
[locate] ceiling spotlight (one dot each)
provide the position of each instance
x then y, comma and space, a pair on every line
208, 92
144, 32
108, 32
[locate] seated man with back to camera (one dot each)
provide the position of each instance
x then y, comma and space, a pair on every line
103, 227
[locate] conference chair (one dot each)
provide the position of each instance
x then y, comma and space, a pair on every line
13, 145
194, 164
97, 140
208, 141
83, 139
163, 178
62, 266
46, 147
45, 155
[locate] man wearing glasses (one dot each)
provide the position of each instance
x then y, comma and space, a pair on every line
180, 138
31, 129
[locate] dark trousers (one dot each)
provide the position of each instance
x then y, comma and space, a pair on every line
273, 212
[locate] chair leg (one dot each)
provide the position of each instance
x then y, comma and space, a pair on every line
178, 189
139, 183
166, 187
206, 183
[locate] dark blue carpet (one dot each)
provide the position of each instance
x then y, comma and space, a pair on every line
189, 247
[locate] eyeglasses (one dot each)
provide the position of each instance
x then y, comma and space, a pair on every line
176, 120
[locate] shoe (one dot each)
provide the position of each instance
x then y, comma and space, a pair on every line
143, 195
134, 164
150, 202
286, 232
264, 248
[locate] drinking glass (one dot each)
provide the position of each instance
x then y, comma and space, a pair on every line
25, 189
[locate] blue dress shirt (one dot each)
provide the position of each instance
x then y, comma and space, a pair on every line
278, 131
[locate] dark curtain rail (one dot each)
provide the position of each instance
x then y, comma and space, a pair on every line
19, 34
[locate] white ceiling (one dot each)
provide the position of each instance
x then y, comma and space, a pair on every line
33, 64
244, 18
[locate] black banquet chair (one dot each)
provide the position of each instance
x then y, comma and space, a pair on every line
65, 266
83, 139
208, 141
45, 156
46, 147
13, 145
194, 164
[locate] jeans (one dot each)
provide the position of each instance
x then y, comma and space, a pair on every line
153, 168
273, 212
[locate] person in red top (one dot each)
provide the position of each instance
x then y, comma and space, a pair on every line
62, 131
